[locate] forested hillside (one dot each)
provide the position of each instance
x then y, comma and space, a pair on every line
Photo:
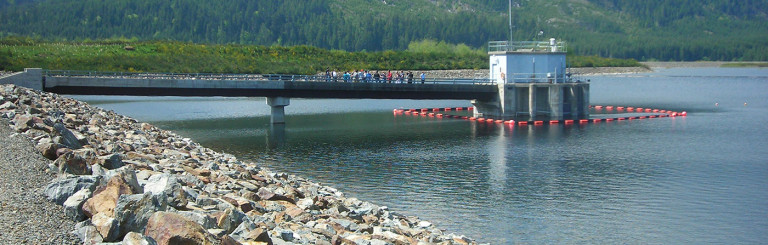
644, 30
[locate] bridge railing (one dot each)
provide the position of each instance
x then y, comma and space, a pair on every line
543, 78
527, 46
262, 77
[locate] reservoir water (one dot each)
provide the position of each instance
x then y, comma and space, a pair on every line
696, 179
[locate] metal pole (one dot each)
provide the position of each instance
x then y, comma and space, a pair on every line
510, 22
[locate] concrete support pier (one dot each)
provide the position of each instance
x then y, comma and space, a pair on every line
532, 109
556, 103
278, 108
532, 101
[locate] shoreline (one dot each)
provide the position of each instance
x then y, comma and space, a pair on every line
124, 180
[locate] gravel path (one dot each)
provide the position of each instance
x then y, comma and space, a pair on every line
25, 216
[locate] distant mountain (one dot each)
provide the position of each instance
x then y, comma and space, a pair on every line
644, 30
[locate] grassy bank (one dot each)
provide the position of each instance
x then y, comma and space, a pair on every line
182, 57
746, 64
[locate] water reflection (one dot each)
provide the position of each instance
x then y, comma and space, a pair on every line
497, 156
276, 136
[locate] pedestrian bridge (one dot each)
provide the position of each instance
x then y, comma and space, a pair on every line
278, 89
248, 85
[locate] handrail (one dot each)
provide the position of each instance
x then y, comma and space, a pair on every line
527, 46
261, 77
542, 78
512, 78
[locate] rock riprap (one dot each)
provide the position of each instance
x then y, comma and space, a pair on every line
130, 182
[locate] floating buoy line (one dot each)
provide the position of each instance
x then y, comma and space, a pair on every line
443, 113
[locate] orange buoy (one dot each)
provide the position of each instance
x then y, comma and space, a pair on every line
510, 122
598, 107
447, 109
655, 110
582, 121
609, 119
596, 120
499, 121
538, 122
459, 108
568, 121
470, 108
621, 108
684, 113
609, 107
522, 123
648, 110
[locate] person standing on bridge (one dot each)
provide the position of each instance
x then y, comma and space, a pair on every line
328, 74
410, 77
346, 76
389, 76
423, 77
377, 77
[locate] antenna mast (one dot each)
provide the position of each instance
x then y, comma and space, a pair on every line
510, 22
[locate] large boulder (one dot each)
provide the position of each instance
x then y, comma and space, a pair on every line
106, 225
7, 106
133, 211
112, 161
68, 138
169, 186
87, 233
172, 228
48, 150
23, 122
77, 162
60, 190
105, 197
73, 206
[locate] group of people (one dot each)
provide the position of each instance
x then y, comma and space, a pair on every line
375, 77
